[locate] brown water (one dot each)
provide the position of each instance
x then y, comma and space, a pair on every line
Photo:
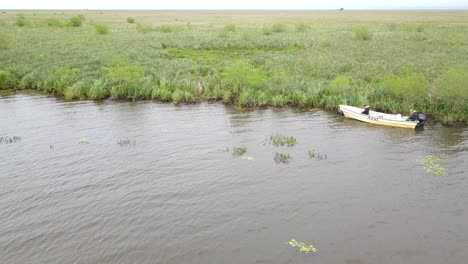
175, 197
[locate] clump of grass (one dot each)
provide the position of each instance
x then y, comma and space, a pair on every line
230, 27
239, 151
278, 28
302, 247
278, 140
453, 88
420, 28
302, 27
76, 21
405, 87
282, 157
101, 29
8, 139
21, 21
125, 142
85, 140
3, 42
244, 74
432, 166
130, 20
52, 22
316, 155
266, 30
325, 43
362, 33
169, 28
144, 28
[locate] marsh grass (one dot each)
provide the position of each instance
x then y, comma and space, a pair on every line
302, 246
239, 150
144, 28
130, 20
282, 157
251, 66
85, 140
126, 142
76, 21
3, 42
280, 140
101, 29
362, 33
316, 155
9, 140
432, 166
21, 21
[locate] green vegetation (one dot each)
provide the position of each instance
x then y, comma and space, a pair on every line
264, 59
363, 33
125, 142
76, 21
8, 139
101, 29
302, 247
239, 151
432, 166
281, 140
85, 140
130, 20
282, 157
3, 42
316, 155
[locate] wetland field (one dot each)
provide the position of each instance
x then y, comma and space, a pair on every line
395, 61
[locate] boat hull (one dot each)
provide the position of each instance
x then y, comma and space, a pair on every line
377, 118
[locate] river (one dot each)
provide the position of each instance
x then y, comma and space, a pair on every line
175, 195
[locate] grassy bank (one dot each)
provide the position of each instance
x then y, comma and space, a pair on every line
395, 61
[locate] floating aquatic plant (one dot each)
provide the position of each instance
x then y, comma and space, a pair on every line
316, 155
125, 142
432, 166
85, 140
281, 140
248, 158
302, 247
8, 139
282, 157
239, 151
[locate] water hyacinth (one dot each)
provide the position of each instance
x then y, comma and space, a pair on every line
432, 166
282, 157
239, 151
125, 142
85, 140
8, 139
278, 140
302, 247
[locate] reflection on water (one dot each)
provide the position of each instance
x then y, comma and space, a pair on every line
174, 197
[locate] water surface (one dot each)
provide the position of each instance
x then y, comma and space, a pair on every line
176, 197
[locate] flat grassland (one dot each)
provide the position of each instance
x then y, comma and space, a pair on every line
395, 61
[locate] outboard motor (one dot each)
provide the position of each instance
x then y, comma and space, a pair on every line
421, 120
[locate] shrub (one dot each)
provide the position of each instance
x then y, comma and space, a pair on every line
144, 28
278, 28
230, 27
453, 86
411, 85
266, 30
3, 42
338, 85
362, 33
101, 29
302, 27
169, 28
130, 20
76, 21
52, 22
21, 21
419, 28
243, 73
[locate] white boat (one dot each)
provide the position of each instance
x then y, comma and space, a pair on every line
381, 118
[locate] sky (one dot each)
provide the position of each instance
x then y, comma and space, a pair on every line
234, 4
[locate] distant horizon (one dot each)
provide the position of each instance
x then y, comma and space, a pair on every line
129, 9
244, 5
